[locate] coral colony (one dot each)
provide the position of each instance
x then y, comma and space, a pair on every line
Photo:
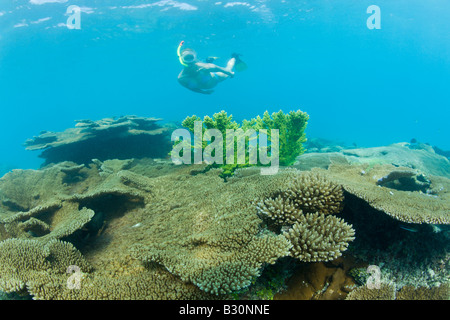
93, 226
213, 152
280, 134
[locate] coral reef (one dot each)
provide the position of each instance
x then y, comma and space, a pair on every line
405, 180
388, 292
321, 280
319, 238
385, 292
25, 263
431, 207
407, 254
104, 139
303, 207
147, 230
423, 159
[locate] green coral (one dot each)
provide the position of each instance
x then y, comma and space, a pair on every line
265, 294
291, 128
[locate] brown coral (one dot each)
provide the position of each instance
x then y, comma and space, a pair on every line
315, 193
389, 292
406, 206
120, 138
303, 206
385, 292
316, 237
155, 231
441, 292
189, 234
22, 261
303, 193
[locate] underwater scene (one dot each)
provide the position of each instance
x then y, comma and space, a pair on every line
224, 150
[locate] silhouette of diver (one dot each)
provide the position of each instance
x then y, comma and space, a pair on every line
200, 76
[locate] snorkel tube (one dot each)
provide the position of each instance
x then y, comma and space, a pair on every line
179, 53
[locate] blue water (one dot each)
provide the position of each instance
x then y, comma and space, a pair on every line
369, 87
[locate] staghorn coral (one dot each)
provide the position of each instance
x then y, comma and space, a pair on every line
222, 233
291, 128
316, 237
281, 209
406, 206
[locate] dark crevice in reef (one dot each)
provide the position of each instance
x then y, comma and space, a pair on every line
106, 208
103, 148
379, 236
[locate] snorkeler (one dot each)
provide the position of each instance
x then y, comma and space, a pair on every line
200, 76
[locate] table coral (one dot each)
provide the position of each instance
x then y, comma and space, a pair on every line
407, 206
139, 231
103, 139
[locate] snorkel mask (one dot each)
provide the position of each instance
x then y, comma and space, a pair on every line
187, 57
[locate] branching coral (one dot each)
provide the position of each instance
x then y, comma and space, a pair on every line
315, 193
389, 292
290, 127
316, 237
385, 292
25, 261
303, 206
305, 193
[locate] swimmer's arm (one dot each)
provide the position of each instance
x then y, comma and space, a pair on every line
213, 68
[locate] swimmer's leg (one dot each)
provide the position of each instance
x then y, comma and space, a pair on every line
220, 76
230, 64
